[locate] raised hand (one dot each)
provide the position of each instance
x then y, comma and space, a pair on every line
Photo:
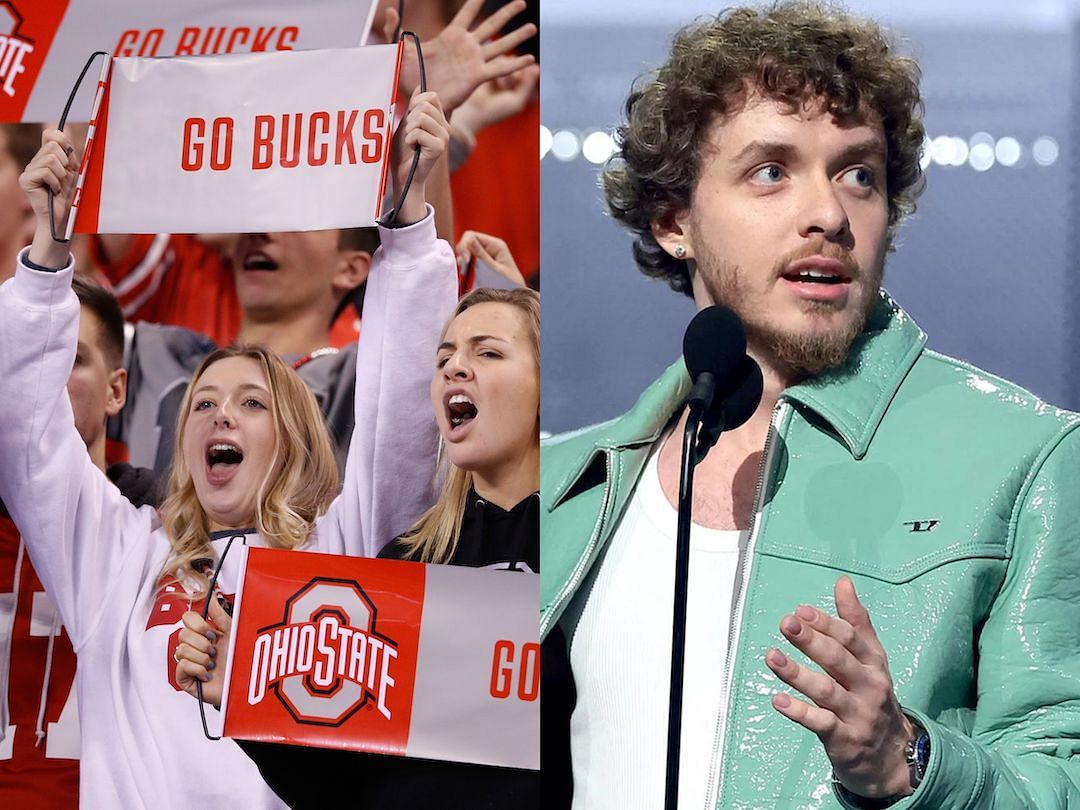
491, 250
203, 652
54, 168
854, 711
425, 126
496, 101
458, 60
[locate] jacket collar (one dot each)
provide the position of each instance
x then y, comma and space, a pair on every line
852, 398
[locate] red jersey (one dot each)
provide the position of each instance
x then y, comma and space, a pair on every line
178, 280
34, 775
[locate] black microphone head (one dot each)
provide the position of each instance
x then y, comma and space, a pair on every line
743, 401
715, 341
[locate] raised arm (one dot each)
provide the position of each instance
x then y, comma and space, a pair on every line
72, 518
412, 288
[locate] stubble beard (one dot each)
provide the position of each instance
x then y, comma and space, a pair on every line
794, 354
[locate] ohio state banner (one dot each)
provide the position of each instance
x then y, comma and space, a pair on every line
285, 141
43, 43
391, 657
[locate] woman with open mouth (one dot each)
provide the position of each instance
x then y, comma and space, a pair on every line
485, 393
253, 466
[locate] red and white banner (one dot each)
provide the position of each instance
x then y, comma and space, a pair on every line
432, 661
286, 141
44, 43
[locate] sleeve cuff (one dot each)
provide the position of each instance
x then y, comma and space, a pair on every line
24, 260
410, 243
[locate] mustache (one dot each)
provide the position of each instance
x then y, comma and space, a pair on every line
826, 250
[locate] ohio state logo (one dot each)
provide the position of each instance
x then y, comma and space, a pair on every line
324, 661
13, 47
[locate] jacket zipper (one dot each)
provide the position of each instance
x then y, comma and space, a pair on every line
735, 627
579, 570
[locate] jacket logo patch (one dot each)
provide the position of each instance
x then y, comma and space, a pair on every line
922, 525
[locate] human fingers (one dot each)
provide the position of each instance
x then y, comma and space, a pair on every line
187, 672
851, 610
186, 652
466, 14
498, 20
194, 622
863, 646
508, 42
390, 24
505, 65
824, 650
198, 641
222, 620
820, 688
818, 720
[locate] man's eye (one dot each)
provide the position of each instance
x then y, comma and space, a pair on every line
859, 177
441, 361
768, 175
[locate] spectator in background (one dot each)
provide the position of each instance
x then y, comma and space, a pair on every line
18, 145
39, 755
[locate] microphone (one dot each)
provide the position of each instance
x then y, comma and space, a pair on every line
727, 390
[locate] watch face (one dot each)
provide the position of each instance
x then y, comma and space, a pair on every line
922, 752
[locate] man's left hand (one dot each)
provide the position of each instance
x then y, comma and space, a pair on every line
854, 711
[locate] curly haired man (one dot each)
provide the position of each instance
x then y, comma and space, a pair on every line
766, 166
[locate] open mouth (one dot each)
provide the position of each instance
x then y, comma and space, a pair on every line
460, 410
223, 457
817, 277
259, 261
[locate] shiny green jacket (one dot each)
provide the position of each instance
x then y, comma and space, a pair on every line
950, 496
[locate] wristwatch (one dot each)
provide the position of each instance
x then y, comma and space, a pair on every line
917, 753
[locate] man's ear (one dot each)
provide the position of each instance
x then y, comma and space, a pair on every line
117, 394
673, 232
352, 270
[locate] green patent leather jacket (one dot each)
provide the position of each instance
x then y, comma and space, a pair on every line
950, 496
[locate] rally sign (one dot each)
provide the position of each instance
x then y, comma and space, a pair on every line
43, 42
285, 141
384, 656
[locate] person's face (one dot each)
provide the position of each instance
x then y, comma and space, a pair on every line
279, 273
95, 389
788, 226
229, 440
16, 215
486, 388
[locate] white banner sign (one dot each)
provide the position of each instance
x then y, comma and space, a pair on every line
287, 141
44, 43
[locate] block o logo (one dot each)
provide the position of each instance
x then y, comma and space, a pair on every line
325, 660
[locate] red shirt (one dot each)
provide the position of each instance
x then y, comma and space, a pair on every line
44, 776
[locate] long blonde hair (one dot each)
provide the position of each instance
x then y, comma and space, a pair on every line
288, 501
434, 537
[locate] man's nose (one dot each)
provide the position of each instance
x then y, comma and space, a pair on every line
822, 211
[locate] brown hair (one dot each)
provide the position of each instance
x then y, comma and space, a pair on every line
793, 53
104, 307
434, 538
288, 503
22, 141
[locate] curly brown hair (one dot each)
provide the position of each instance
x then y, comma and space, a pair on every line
792, 52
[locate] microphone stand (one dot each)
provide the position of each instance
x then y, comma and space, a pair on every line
693, 451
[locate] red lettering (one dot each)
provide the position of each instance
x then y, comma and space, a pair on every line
291, 161
344, 139
374, 122
262, 38
129, 37
318, 158
239, 36
217, 40
221, 156
151, 41
186, 45
262, 154
502, 669
192, 157
529, 674
292, 32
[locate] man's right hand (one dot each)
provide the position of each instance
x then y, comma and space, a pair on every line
54, 168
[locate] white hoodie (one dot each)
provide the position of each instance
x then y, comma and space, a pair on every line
100, 558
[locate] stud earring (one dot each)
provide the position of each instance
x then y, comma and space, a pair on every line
680, 251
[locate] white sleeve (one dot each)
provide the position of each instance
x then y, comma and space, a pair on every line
76, 524
390, 472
